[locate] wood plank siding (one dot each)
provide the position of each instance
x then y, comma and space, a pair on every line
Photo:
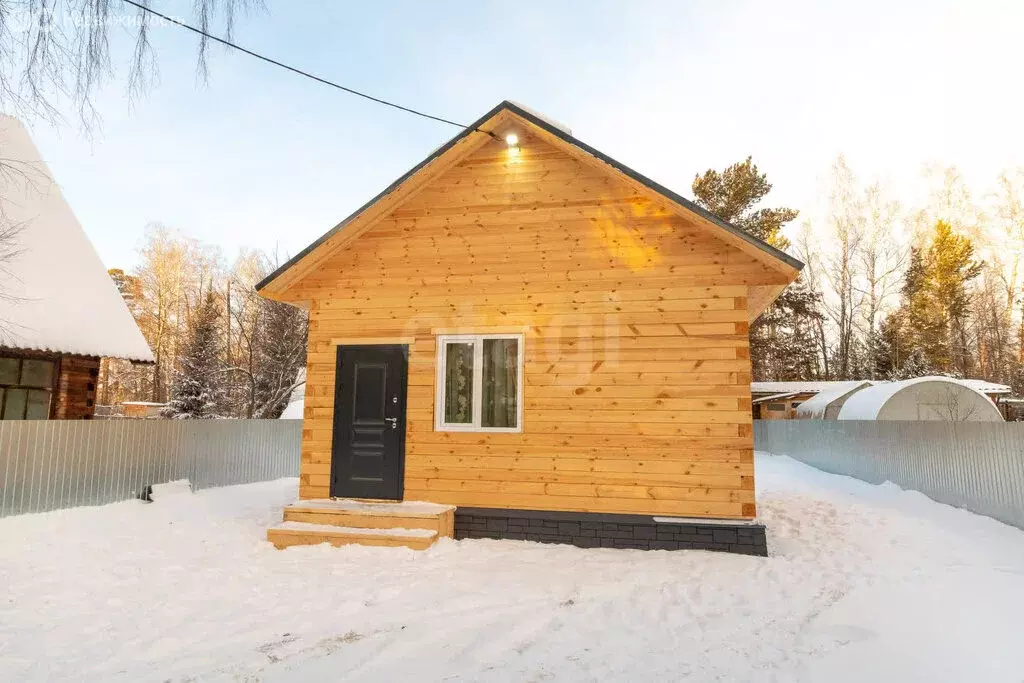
637, 372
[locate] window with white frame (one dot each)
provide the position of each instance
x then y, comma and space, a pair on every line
479, 383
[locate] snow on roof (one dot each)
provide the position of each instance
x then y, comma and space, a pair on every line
801, 387
814, 386
547, 119
775, 397
985, 387
868, 403
57, 295
815, 406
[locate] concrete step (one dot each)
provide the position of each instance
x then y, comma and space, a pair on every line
290, 533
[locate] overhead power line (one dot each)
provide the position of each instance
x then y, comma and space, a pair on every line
300, 72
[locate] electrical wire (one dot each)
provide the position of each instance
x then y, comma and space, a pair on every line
300, 72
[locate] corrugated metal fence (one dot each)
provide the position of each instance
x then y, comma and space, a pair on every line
978, 466
49, 465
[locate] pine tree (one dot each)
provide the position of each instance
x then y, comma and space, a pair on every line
934, 313
891, 345
783, 344
197, 392
732, 195
924, 315
952, 268
916, 365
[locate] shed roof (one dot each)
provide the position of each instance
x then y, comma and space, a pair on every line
799, 387
56, 294
986, 387
484, 128
775, 397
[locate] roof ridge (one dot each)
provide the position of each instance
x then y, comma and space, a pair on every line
541, 122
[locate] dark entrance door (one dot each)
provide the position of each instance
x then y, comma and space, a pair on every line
368, 452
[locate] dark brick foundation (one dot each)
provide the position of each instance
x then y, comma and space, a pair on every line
596, 530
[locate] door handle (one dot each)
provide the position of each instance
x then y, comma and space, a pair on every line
393, 421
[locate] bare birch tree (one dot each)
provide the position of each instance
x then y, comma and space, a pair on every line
57, 50
881, 260
845, 233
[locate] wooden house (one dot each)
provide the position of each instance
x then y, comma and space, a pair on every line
780, 400
531, 341
60, 312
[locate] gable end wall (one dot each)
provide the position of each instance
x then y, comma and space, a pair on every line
637, 368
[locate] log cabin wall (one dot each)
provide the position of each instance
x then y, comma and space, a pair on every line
72, 386
637, 372
75, 398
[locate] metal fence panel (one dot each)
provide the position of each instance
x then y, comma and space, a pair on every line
50, 465
978, 466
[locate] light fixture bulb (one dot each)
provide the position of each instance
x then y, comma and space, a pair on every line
512, 139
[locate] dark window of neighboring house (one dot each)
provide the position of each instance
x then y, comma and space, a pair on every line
776, 407
795, 404
26, 388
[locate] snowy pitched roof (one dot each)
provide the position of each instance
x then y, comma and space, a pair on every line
775, 397
815, 406
801, 387
56, 294
985, 387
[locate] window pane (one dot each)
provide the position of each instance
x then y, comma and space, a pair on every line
37, 373
38, 405
458, 384
500, 368
8, 370
14, 404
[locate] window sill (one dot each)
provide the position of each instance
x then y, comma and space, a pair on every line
478, 430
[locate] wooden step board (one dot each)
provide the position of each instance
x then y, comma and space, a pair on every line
287, 534
409, 524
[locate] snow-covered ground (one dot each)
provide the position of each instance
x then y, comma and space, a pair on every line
865, 583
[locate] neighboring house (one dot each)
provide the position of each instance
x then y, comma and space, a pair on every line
921, 398
1012, 409
529, 334
59, 310
780, 400
777, 406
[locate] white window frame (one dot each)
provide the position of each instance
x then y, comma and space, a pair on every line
478, 383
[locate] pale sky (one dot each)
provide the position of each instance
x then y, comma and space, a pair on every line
261, 158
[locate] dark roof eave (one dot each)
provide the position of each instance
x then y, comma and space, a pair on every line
566, 137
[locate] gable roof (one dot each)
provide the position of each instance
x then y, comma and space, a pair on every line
803, 387
483, 129
55, 294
